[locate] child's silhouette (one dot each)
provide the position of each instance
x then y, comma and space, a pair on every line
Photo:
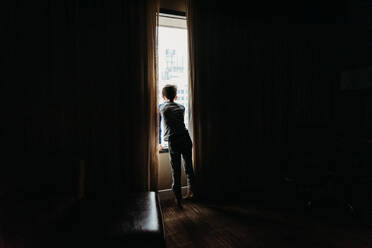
179, 141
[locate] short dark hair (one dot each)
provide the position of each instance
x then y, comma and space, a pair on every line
169, 91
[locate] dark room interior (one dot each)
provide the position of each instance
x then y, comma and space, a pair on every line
281, 115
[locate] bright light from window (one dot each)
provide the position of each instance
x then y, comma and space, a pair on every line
173, 60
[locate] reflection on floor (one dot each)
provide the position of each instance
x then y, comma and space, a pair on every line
233, 225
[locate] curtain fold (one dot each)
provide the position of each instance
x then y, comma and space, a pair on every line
194, 90
145, 129
153, 8
253, 78
81, 80
124, 141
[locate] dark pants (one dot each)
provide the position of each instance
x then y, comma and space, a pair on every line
181, 146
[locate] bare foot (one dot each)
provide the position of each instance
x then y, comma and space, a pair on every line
189, 195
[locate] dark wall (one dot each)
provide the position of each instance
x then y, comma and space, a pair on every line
353, 107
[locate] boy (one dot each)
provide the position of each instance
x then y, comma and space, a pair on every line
179, 141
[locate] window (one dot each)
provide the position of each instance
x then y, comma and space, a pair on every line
173, 61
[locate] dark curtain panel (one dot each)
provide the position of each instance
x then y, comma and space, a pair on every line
259, 72
80, 81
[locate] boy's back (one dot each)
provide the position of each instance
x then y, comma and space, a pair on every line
173, 117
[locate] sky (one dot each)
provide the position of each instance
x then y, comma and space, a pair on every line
173, 38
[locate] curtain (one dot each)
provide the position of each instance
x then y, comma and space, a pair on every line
256, 73
144, 131
152, 106
195, 116
80, 80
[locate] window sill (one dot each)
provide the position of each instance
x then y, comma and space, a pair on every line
164, 150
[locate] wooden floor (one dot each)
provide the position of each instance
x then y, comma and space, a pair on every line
207, 225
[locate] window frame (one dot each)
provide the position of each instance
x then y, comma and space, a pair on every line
166, 13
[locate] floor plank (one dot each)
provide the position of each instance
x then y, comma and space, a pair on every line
208, 225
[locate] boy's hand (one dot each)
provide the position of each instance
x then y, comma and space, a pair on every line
160, 147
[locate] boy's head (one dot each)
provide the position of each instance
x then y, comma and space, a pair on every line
169, 92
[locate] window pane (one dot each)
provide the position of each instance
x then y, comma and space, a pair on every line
173, 63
